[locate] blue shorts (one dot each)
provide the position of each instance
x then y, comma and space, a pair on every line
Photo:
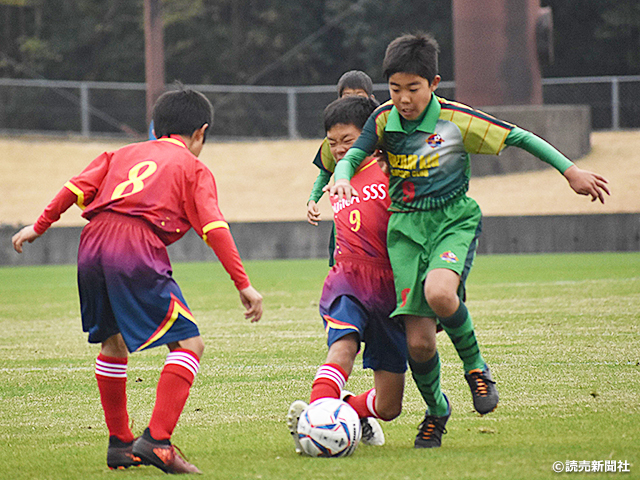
126, 285
359, 297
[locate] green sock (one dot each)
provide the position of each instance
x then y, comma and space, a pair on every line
427, 378
459, 327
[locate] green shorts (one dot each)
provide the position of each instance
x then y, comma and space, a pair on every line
419, 242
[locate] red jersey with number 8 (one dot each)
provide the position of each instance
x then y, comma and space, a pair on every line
160, 181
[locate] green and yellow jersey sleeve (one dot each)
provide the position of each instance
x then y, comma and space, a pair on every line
324, 158
326, 164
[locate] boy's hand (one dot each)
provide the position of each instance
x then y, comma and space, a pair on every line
584, 182
313, 214
342, 188
27, 234
252, 301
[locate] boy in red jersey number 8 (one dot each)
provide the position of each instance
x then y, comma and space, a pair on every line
138, 199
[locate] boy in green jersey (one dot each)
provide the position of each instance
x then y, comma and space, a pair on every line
434, 228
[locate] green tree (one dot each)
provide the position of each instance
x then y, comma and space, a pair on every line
595, 38
279, 41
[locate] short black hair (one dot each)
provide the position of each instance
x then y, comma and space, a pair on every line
181, 112
412, 53
355, 79
348, 111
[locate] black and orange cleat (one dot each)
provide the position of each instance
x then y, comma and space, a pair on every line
431, 429
483, 390
161, 454
120, 456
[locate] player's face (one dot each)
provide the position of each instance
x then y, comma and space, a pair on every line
354, 92
411, 93
340, 138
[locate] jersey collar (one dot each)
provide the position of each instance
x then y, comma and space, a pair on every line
428, 123
175, 139
366, 163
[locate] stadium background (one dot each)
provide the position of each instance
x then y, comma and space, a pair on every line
327, 39
264, 186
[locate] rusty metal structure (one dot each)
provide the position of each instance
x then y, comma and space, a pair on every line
154, 52
497, 47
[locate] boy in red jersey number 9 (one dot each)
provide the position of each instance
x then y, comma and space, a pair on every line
358, 295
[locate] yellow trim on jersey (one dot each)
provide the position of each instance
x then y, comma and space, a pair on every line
367, 165
382, 118
326, 157
213, 225
78, 193
172, 140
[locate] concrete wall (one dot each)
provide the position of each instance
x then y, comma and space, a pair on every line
280, 240
566, 127
561, 233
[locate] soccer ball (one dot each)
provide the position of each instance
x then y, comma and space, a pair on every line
329, 427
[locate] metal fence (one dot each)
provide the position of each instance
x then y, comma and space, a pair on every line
113, 108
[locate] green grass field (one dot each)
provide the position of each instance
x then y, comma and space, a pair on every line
561, 333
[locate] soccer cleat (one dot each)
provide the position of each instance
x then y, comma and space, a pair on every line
431, 429
372, 433
161, 454
483, 390
293, 415
120, 456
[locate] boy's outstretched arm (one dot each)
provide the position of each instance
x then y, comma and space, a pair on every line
581, 181
60, 204
584, 182
252, 301
27, 234
345, 169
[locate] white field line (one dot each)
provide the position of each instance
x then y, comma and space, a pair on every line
132, 370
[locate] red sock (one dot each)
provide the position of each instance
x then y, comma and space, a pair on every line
364, 404
329, 382
111, 374
175, 382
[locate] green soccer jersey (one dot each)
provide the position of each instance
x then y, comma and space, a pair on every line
327, 164
429, 159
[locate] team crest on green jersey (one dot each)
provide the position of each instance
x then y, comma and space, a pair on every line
449, 257
435, 140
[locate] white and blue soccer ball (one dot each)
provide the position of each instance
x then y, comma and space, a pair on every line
329, 427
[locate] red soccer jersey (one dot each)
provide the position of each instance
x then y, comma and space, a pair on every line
361, 223
160, 181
